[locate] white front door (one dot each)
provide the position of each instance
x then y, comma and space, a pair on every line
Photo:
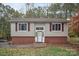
39, 35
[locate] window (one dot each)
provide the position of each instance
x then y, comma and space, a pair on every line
22, 26
39, 28
56, 27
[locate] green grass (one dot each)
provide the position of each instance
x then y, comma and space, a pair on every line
74, 40
48, 51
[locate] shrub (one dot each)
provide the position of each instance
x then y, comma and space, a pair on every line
73, 34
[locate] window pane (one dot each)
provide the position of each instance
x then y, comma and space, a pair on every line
39, 28
22, 26
59, 27
56, 27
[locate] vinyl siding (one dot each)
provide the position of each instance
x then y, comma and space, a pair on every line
56, 33
32, 30
22, 33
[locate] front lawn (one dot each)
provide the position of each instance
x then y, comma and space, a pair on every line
47, 51
74, 40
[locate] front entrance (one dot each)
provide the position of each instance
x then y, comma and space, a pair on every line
39, 33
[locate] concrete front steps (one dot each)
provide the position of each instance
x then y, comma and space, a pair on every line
39, 44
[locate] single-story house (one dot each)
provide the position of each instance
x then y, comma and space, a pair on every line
38, 30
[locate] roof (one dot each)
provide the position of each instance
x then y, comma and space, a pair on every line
37, 20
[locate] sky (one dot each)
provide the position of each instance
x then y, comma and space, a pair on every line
21, 6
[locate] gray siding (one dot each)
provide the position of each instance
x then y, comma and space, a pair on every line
22, 33
32, 30
56, 33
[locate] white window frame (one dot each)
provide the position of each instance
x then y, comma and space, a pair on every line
23, 30
39, 28
56, 30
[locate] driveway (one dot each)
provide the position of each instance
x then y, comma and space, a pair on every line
4, 43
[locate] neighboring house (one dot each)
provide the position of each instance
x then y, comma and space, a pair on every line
44, 30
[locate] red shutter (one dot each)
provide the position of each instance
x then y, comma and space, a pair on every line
62, 26
28, 26
50, 26
15, 26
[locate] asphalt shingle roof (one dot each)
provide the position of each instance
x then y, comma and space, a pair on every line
37, 20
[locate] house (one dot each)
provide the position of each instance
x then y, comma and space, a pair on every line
38, 30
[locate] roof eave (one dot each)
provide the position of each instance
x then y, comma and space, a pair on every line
41, 21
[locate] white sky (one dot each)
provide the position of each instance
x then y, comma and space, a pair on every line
21, 6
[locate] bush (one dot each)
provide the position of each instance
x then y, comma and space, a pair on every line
73, 34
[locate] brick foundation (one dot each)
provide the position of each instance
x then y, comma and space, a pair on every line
30, 40
56, 40
23, 40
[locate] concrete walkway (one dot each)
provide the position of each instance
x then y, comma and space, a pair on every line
4, 44
34, 45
